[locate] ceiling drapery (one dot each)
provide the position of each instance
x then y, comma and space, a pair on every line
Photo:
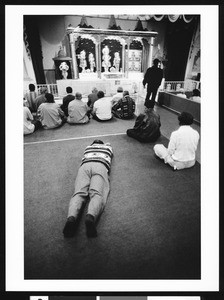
174, 18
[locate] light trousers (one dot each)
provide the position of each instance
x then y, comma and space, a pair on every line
162, 152
92, 181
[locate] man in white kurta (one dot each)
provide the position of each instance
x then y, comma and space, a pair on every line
181, 151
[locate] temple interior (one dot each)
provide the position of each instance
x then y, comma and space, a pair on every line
150, 228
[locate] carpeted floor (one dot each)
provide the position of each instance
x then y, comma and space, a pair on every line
150, 228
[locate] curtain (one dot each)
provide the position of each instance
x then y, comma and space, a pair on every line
33, 39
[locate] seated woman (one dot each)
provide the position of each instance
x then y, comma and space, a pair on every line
125, 107
29, 124
181, 151
50, 114
102, 108
147, 127
196, 96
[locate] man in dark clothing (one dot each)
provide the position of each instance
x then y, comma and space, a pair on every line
67, 99
92, 98
153, 78
125, 107
147, 127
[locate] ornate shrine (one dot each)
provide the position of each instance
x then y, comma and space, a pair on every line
106, 58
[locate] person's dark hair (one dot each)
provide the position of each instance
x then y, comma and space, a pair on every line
97, 142
125, 93
119, 89
156, 61
69, 89
196, 92
185, 118
31, 87
100, 94
49, 98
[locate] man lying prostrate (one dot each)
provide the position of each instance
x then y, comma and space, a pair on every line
91, 181
181, 151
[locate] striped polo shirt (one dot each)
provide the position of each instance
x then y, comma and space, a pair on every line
98, 153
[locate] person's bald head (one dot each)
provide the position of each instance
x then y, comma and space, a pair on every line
78, 96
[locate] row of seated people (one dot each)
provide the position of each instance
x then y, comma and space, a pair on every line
73, 110
196, 95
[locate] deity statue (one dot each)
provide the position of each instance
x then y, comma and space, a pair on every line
116, 62
82, 57
64, 69
106, 58
92, 62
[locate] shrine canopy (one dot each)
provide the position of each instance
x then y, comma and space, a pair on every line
125, 37
121, 33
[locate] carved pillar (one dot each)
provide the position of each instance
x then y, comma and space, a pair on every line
128, 41
150, 51
123, 56
72, 38
98, 56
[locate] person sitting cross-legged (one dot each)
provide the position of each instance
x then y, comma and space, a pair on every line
30, 97
92, 182
117, 96
125, 107
77, 111
92, 97
50, 113
67, 99
29, 124
181, 151
40, 99
102, 108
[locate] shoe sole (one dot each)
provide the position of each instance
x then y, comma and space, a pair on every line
90, 229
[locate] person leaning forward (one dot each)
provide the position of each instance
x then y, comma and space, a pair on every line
92, 181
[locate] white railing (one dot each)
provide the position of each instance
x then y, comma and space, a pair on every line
187, 85
169, 86
51, 88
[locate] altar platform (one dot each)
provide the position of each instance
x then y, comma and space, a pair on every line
108, 84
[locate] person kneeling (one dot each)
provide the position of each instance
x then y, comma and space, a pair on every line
181, 151
147, 127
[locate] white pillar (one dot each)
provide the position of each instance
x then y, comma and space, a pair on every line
127, 58
123, 57
150, 51
72, 39
98, 56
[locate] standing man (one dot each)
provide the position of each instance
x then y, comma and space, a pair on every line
67, 99
77, 111
153, 78
92, 181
